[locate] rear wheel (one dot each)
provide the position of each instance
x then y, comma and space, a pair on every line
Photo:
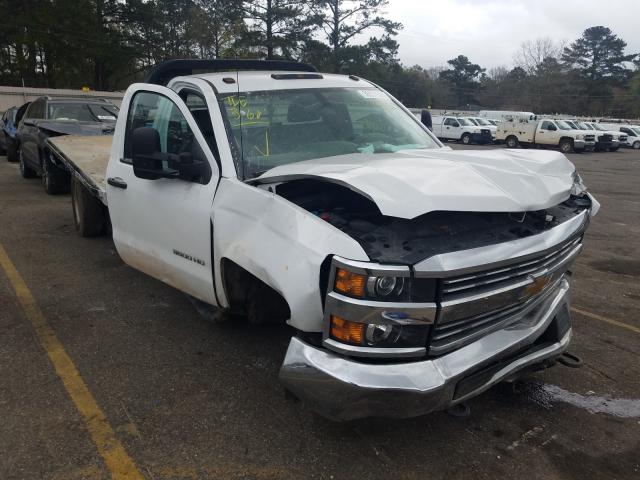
88, 211
566, 146
25, 171
466, 138
54, 179
512, 142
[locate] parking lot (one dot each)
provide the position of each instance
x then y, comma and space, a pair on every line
187, 398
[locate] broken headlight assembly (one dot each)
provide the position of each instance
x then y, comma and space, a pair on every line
578, 187
370, 306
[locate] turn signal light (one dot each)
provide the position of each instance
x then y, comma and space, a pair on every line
350, 283
346, 331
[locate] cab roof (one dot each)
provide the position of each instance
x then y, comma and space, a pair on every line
247, 81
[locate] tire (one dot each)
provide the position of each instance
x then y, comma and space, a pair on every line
55, 180
566, 146
614, 149
636, 145
3, 148
88, 211
512, 142
12, 151
25, 171
466, 138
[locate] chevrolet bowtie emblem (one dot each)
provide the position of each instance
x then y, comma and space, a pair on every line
537, 286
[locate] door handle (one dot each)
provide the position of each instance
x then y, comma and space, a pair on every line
117, 182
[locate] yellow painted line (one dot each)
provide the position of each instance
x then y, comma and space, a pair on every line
610, 321
115, 457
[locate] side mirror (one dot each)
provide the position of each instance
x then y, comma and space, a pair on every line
150, 163
29, 123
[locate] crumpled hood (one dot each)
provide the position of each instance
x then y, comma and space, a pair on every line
411, 183
77, 128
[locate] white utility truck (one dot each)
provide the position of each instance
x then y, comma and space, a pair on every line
414, 276
484, 123
460, 129
545, 133
633, 136
604, 141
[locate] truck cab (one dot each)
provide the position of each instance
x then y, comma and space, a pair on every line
413, 276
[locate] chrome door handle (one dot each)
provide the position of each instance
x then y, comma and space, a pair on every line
117, 182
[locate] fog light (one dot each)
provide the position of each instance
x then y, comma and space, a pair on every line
377, 333
346, 331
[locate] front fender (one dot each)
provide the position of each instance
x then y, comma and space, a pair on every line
278, 242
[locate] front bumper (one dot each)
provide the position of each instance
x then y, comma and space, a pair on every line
481, 138
343, 388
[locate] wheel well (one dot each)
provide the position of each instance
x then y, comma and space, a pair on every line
562, 139
250, 296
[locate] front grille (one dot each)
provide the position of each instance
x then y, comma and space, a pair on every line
590, 138
485, 131
476, 304
622, 138
605, 138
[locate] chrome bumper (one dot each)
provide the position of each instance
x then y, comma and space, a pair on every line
342, 388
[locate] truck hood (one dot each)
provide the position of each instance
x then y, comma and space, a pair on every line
410, 183
67, 127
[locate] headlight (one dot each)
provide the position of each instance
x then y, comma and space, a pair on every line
371, 305
578, 187
580, 137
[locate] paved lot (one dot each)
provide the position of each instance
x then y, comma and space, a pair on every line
190, 399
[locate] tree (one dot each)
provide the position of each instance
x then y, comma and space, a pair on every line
280, 26
599, 54
464, 78
342, 20
532, 53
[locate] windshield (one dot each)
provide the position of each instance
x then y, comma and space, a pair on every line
636, 131
481, 121
278, 127
473, 121
465, 123
600, 128
583, 126
572, 124
563, 125
83, 112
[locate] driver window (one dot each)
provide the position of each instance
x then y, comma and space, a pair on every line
158, 112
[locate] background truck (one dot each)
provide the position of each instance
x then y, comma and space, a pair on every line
414, 276
545, 133
460, 129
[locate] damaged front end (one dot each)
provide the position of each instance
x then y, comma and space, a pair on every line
450, 303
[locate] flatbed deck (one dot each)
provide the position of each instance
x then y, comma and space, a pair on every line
86, 157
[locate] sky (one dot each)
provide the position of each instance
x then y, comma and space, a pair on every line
490, 31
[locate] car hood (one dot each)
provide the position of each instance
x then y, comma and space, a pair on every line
67, 127
411, 183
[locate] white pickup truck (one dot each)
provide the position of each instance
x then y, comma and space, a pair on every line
460, 129
415, 276
545, 133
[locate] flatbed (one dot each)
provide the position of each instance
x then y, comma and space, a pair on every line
86, 158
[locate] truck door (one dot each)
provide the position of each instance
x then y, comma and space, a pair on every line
451, 128
546, 133
161, 218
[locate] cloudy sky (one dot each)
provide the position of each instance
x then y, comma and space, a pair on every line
490, 31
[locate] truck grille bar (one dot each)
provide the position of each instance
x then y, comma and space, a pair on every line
473, 305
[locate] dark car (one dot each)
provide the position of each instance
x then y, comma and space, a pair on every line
47, 117
8, 129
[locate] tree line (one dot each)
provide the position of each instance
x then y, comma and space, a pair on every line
108, 44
